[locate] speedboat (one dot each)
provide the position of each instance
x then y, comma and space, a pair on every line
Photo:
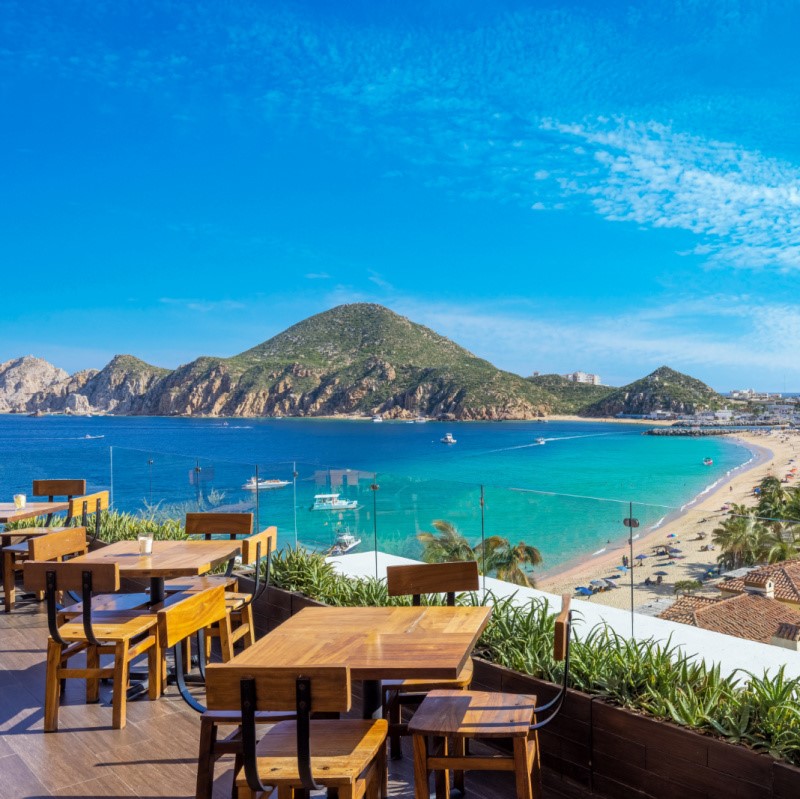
377, 418
707, 461
345, 541
332, 502
259, 485
447, 438
540, 441
420, 420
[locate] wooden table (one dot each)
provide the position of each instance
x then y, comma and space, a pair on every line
376, 643
181, 558
10, 513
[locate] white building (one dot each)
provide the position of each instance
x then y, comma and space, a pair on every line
583, 377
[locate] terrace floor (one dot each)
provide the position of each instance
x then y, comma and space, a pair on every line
154, 756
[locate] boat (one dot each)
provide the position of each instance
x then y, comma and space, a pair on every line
540, 441
332, 502
345, 541
87, 436
447, 438
259, 485
707, 461
420, 420
377, 418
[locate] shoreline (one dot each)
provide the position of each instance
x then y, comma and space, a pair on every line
688, 527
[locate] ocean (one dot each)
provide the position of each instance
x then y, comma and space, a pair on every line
567, 497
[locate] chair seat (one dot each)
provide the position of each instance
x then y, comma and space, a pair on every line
474, 714
340, 751
463, 680
202, 583
235, 600
109, 627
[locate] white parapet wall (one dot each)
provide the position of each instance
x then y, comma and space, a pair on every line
732, 654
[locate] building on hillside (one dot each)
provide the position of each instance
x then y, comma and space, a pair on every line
750, 395
583, 377
750, 615
779, 581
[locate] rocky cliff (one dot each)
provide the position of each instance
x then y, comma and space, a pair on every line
23, 378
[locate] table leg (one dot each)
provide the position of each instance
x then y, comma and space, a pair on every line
372, 700
156, 591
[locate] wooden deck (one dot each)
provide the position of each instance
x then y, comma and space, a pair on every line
154, 756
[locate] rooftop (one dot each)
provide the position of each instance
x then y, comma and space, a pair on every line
785, 576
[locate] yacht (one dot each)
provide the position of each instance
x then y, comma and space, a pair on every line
259, 485
707, 461
540, 441
332, 502
447, 438
377, 418
420, 420
345, 541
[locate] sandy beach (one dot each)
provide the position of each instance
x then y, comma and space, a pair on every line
688, 530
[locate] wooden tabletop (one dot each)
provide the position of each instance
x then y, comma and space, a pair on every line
10, 513
184, 558
376, 643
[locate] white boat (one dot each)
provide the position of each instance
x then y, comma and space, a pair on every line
447, 438
92, 437
345, 541
707, 462
540, 441
259, 485
420, 420
332, 502
377, 418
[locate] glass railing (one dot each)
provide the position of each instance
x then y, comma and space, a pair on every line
591, 547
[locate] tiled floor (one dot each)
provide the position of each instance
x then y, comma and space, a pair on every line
154, 756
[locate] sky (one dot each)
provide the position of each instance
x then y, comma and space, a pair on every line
557, 186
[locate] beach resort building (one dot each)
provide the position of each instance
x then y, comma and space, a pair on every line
754, 616
583, 377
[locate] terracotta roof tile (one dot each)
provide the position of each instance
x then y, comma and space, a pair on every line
785, 575
744, 616
789, 632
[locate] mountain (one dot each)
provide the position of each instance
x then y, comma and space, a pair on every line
353, 359
570, 397
22, 378
662, 390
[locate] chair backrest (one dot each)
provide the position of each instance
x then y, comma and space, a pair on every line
276, 687
561, 636
84, 576
87, 504
312, 689
198, 611
433, 578
58, 545
258, 545
69, 575
58, 488
233, 525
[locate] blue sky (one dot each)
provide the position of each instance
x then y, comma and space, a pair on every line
557, 186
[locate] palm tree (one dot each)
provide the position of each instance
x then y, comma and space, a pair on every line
780, 543
446, 544
741, 537
687, 586
773, 499
508, 561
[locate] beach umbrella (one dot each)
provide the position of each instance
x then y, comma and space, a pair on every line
621, 568
597, 582
583, 591
641, 557
610, 583
661, 574
672, 535
675, 550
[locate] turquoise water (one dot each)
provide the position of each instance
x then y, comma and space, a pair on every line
567, 497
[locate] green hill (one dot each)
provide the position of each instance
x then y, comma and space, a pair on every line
662, 390
355, 359
570, 397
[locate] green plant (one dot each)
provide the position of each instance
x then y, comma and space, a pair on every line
118, 526
686, 586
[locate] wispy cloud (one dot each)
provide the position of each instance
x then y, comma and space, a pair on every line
202, 305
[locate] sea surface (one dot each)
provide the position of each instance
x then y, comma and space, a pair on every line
567, 497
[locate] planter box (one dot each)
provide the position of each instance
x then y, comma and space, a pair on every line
596, 749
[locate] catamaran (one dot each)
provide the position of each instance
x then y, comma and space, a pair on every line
332, 502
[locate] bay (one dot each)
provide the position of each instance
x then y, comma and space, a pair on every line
567, 496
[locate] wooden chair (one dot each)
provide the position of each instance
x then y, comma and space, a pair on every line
255, 549
348, 755
98, 633
50, 546
451, 718
208, 525
429, 578
57, 488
